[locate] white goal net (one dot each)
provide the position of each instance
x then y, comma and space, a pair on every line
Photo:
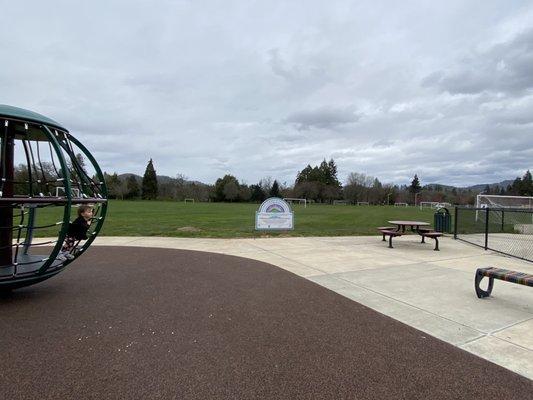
292, 200
60, 192
496, 201
339, 202
433, 204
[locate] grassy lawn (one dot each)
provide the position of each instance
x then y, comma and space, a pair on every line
227, 220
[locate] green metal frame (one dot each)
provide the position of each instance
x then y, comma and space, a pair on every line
66, 215
103, 206
45, 129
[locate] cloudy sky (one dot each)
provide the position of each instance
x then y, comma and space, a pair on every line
262, 88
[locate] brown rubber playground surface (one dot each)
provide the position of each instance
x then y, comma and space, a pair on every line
137, 323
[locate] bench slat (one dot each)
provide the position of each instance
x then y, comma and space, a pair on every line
390, 233
431, 234
507, 275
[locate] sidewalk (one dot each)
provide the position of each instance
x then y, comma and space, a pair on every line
429, 290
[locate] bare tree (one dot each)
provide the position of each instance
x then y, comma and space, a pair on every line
266, 184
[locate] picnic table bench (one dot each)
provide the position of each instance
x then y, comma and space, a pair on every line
432, 235
492, 273
390, 233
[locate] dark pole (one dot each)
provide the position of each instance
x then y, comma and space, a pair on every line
487, 228
6, 212
455, 223
503, 216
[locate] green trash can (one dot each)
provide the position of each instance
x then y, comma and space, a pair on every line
443, 220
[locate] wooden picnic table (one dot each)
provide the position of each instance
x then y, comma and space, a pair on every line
415, 225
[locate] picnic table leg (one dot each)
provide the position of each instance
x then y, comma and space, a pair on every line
383, 238
436, 244
390, 242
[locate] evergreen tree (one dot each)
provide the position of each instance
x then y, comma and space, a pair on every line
257, 193
332, 174
515, 188
415, 188
149, 183
304, 175
132, 188
321, 182
113, 185
274, 191
323, 172
526, 186
415, 185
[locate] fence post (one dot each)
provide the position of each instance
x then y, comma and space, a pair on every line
455, 223
487, 228
503, 215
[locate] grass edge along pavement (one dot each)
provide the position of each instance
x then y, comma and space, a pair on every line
237, 220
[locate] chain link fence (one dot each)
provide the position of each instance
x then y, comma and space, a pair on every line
505, 230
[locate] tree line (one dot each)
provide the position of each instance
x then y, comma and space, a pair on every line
317, 183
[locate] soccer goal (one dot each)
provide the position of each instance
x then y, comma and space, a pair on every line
188, 200
497, 201
401, 205
363, 203
428, 204
60, 192
433, 204
500, 203
292, 200
339, 202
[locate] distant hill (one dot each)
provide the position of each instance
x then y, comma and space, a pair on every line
162, 179
502, 184
474, 188
126, 176
434, 186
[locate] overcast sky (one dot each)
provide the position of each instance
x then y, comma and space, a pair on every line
262, 88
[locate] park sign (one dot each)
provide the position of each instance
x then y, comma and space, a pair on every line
274, 214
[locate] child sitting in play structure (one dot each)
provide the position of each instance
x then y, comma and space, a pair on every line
77, 230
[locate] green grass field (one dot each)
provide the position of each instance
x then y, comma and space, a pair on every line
230, 220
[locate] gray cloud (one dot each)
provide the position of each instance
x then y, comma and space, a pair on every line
504, 67
325, 118
264, 89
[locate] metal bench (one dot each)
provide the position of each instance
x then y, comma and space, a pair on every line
492, 273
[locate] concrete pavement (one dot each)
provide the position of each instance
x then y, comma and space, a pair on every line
429, 290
